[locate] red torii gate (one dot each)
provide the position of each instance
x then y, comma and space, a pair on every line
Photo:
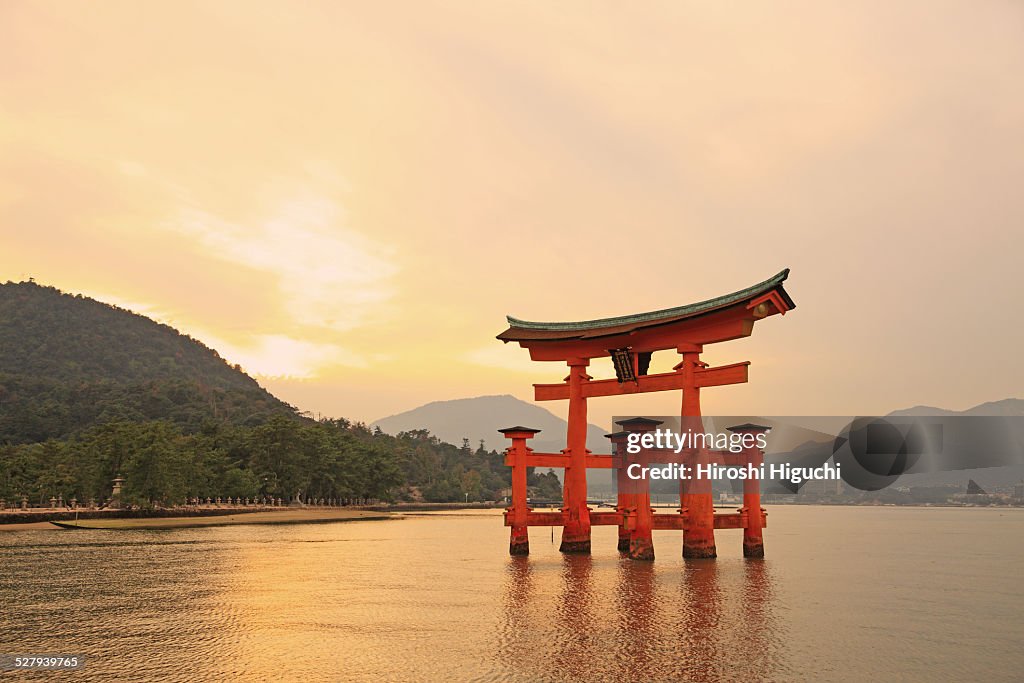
630, 341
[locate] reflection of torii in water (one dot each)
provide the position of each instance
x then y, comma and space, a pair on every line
635, 622
629, 341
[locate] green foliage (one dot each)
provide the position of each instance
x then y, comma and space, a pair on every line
284, 458
445, 473
89, 392
155, 467
545, 486
69, 362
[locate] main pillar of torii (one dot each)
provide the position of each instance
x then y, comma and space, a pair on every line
630, 341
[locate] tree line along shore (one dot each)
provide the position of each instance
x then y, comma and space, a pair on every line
91, 392
285, 458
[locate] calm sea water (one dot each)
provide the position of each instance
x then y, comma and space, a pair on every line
845, 594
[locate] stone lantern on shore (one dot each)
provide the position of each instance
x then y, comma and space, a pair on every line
115, 496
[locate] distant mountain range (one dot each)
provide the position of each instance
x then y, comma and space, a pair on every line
1011, 407
480, 418
986, 477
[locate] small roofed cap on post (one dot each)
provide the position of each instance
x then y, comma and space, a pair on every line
638, 424
508, 431
749, 427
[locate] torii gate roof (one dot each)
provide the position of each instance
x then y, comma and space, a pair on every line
526, 331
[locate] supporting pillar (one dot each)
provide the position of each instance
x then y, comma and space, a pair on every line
753, 541
695, 497
641, 540
575, 513
623, 543
624, 498
641, 527
516, 515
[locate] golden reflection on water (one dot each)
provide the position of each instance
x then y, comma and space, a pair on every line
436, 598
703, 621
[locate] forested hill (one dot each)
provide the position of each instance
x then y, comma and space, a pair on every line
69, 362
90, 391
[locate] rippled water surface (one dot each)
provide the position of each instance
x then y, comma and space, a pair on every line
845, 594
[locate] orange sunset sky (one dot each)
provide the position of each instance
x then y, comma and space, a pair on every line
347, 198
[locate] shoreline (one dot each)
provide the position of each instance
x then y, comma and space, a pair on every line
232, 518
185, 518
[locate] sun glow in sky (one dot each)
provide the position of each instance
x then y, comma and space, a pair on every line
347, 198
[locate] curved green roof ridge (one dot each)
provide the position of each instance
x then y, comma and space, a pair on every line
688, 309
